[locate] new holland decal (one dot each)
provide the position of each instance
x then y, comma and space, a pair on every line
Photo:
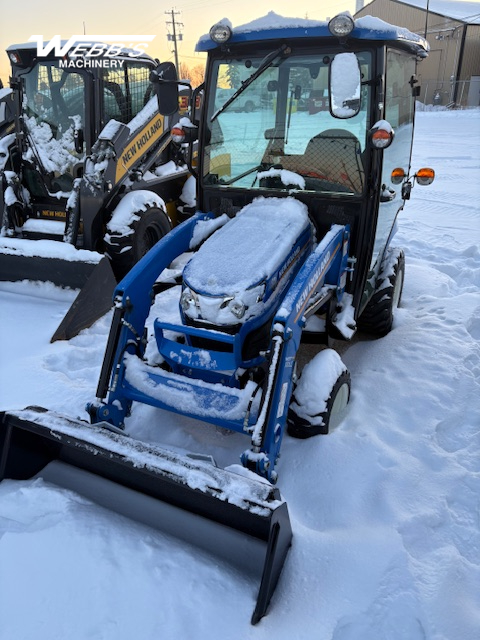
139, 145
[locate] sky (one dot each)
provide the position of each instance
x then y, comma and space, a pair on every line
146, 18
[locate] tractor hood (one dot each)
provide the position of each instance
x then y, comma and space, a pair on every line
246, 264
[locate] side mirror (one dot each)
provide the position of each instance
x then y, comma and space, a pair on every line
165, 84
344, 82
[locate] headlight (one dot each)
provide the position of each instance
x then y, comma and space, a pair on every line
220, 33
237, 308
14, 57
187, 299
341, 26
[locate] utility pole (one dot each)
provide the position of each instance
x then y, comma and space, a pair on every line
426, 19
174, 36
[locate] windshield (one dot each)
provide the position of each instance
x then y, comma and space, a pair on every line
278, 131
54, 107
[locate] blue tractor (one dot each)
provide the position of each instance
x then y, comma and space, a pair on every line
290, 243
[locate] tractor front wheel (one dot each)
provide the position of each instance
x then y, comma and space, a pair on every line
320, 396
126, 245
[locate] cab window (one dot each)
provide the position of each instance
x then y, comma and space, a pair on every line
126, 91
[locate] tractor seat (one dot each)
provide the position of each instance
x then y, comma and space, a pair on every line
336, 154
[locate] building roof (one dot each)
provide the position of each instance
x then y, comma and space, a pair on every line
468, 12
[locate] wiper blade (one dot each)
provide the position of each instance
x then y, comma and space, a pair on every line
241, 175
264, 65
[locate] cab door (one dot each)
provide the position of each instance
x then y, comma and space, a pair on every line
399, 112
125, 91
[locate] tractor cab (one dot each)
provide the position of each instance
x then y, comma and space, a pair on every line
331, 125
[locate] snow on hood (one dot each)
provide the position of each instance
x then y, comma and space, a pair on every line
246, 250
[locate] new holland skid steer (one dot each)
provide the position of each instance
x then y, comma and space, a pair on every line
290, 243
85, 160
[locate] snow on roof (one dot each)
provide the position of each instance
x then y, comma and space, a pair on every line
275, 21
274, 26
468, 12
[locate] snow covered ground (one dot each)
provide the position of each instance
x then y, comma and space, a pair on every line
385, 510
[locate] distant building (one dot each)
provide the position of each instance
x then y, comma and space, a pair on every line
451, 74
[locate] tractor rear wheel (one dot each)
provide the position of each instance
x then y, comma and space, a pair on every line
377, 317
125, 248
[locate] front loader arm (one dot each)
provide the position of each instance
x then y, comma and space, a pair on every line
132, 300
322, 275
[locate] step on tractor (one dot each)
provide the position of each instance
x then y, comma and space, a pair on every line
86, 160
291, 242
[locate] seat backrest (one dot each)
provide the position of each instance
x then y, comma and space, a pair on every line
336, 154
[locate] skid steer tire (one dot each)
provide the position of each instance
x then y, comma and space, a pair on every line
377, 317
125, 249
319, 423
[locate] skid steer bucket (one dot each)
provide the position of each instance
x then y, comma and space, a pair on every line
93, 301
240, 519
15, 266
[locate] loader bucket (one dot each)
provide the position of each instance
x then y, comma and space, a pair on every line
63, 273
243, 520
94, 279
93, 301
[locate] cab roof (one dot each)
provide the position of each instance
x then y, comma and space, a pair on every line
276, 27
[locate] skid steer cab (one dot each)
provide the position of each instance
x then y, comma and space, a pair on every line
291, 243
86, 159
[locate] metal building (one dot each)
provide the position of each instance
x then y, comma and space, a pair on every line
450, 76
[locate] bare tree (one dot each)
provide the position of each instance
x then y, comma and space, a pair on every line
184, 71
195, 74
